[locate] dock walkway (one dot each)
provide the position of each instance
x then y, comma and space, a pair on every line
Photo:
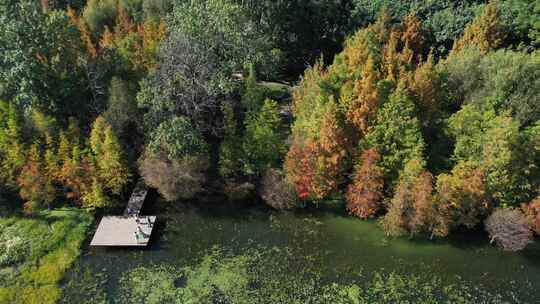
136, 200
130, 229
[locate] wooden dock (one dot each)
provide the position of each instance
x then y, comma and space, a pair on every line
124, 231
131, 229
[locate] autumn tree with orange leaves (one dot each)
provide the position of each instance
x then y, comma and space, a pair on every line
300, 167
362, 110
365, 194
35, 188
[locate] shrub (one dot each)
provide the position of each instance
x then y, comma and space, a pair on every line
277, 191
13, 247
174, 179
509, 229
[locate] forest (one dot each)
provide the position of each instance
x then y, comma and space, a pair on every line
420, 116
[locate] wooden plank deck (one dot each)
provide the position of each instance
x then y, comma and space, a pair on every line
124, 231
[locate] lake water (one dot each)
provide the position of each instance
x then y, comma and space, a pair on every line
334, 244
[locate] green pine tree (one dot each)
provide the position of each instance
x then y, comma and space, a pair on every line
262, 145
229, 152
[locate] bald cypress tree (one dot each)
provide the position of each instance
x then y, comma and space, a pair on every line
95, 196
396, 134
12, 150
113, 170
486, 32
35, 188
229, 150
363, 109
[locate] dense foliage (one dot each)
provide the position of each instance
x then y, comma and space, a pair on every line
443, 141
423, 114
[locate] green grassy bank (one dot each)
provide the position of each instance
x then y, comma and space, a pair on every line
36, 252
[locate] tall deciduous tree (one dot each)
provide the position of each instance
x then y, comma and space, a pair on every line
303, 30
122, 109
186, 82
177, 138
38, 66
504, 80
224, 29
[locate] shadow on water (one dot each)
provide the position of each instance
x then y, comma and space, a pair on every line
469, 240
